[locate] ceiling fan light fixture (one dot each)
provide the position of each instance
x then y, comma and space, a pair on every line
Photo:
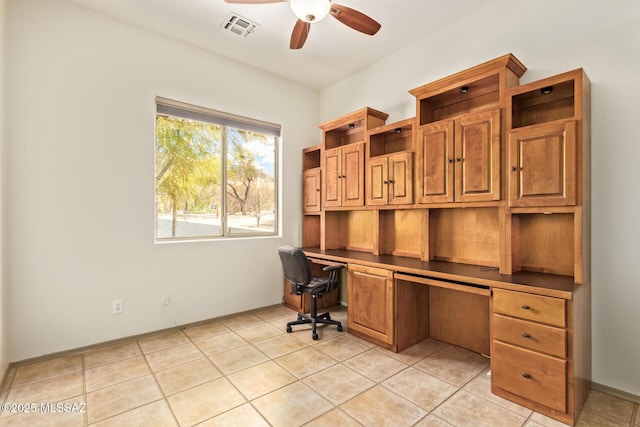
310, 10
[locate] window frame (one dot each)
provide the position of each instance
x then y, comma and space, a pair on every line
169, 107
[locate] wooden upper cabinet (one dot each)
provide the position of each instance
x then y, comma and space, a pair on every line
343, 160
477, 157
311, 190
344, 176
390, 180
543, 162
435, 164
389, 157
312, 179
460, 159
547, 121
458, 149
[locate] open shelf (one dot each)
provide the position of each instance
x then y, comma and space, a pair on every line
311, 157
393, 138
401, 232
542, 105
354, 230
466, 235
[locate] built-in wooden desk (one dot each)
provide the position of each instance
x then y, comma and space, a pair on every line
534, 326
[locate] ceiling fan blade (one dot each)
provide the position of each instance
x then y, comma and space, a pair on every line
299, 34
354, 19
254, 1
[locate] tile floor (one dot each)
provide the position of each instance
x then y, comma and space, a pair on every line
246, 371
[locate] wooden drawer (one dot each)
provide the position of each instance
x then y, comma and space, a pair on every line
538, 308
529, 374
534, 336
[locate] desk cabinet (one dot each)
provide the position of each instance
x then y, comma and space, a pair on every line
534, 359
371, 303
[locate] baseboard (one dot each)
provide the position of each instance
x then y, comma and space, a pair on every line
615, 392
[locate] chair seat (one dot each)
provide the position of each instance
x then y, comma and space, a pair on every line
316, 285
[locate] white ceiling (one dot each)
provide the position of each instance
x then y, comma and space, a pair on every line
332, 51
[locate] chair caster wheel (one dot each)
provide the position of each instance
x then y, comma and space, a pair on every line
339, 328
314, 336
289, 330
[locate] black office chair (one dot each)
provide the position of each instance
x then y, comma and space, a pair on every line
297, 271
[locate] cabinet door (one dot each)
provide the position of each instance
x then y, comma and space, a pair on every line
311, 190
401, 179
371, 302
377, 182
543, 165
353, 175
435, 156
477, 157
332, 177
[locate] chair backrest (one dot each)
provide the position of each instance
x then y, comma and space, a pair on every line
295, 265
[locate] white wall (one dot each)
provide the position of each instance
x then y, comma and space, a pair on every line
4, 330
80, 180
551, 37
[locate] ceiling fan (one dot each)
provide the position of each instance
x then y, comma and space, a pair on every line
309, 11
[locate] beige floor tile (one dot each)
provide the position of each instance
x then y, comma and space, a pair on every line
325, 332
220, 343
593, 418
162, 341
259, 332
335, 417
539, 420
261, 379
47, 369
206, 330
110, 354
71, 414
110, 401
305, 362
244, 416
464, 408
448, 369
433, 421
156, 414
375, 365
340, 348
114, 373
205, 401
416, 352
54, 389
338, 383
381, 407
467, 356
420, 388
183, 377
481, 387
616, 407
276, 313
280, 345
292, 405
237, 359
243, 321
173, 356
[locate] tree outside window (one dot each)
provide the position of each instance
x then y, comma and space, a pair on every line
197, 156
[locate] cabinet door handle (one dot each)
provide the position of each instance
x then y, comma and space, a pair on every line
513, 168
525, 375
385, 182
391, 181
458, 159
525, 307
450, 160
525, 335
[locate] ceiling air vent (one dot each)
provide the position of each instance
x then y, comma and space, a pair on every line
238, 25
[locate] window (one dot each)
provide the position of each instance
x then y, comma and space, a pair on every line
215, 174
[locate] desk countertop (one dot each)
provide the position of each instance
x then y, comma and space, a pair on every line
538, 283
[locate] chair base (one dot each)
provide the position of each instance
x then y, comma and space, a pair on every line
313, 318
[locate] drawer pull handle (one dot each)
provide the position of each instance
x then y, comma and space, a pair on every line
525, 307
526, 376
526, 335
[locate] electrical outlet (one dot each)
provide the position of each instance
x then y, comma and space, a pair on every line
165, 299
117, 306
